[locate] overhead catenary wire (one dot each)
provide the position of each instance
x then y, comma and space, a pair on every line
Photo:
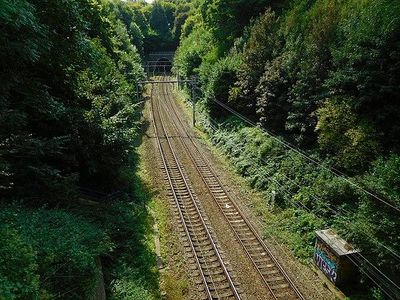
173, 112
392, 290
381, 277
300, 152
369, 267
298, 205
317, 162
226, 272
309, 158
292, 147
330, 208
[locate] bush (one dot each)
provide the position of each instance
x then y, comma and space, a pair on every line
132, 269
384, 176
340, 133
191, 53
66, 97
272, 104
306, 197
19, 277
323, 74
55, 246
219, 80
297, 229
365, 66
126, 289
262, 45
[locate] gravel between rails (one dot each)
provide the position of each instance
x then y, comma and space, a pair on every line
250, 284
201, 240
176, 280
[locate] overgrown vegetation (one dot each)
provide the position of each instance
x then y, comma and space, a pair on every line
47, 254
322, 75
69, 123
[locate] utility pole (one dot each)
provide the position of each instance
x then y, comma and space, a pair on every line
194, 102
137, 91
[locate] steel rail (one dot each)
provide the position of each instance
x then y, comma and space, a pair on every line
228, 277
195, 254
252, 229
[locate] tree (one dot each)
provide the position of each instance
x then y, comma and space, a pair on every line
366, 66
261, 47
227, 19
45, 112
159, 21
272, 103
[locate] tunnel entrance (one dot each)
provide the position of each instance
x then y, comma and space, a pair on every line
164, 65
159, 63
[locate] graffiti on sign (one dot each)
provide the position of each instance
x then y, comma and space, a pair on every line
326, 261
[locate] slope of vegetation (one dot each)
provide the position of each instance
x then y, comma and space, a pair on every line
322, 75
69, 126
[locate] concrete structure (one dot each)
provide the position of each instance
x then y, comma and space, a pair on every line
159, 63
161, 56
332, 255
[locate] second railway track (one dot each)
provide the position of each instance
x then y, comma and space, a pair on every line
271, 272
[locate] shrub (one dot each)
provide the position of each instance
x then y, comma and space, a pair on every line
365, 65
57, 247
272, 104
307, 197
262, 46
384, 176
340, 133
126, 289
19, 277
219, 79
191, 53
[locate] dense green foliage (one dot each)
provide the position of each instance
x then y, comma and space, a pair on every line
273, 170
67, 94
324, 76
160, 23
305, 65
69, 119
55, 247
321, 74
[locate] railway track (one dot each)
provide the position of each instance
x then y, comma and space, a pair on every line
214, 276
273, 275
